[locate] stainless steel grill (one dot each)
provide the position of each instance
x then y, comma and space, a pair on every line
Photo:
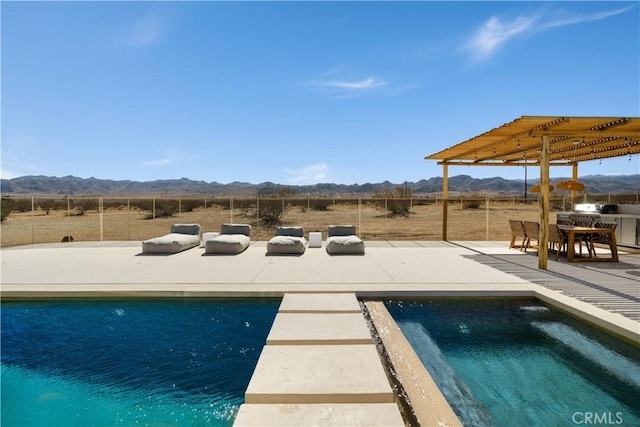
588, 208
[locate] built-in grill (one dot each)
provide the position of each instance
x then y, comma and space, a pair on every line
583, 214
588, 208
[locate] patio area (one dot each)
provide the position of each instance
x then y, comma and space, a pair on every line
321, 290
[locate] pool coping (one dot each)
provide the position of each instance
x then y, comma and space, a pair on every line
419, 397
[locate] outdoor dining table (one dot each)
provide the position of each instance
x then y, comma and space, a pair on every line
571, 231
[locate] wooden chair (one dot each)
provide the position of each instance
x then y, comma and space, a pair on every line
557, 240
602, 238
532, 229
517, 232
579, 220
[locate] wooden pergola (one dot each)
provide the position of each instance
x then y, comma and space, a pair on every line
542, 141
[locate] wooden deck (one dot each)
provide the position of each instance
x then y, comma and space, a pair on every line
614, 286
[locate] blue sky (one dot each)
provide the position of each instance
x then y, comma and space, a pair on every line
300, 92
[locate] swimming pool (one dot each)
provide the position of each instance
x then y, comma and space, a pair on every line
130, 362
516, 362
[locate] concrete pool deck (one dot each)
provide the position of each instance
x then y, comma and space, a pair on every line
605, 294
609, 291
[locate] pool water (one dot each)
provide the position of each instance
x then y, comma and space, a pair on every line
508, 363
179, 362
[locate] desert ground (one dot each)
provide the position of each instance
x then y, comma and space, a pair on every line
416, 219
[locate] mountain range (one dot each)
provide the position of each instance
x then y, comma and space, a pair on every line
45, 185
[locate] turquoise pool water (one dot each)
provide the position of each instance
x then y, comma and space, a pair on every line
182, 362
519, 363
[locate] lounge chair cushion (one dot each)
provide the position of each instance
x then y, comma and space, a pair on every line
342, 239
228, 244
170, 243
342, 245
235, 229
186, 229
290, 231
286, 245
341, 230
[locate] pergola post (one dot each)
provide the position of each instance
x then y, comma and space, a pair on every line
574, 177
445, 200
543, 238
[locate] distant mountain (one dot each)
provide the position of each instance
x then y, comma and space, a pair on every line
71, 185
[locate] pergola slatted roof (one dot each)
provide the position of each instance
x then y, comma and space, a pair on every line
572, 140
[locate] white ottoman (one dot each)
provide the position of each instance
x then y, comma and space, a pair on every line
315, 239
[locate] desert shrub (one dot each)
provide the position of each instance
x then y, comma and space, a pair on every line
22, 205
422, 202
269, 190
7, 205
296, 203
624, 198
399, 207
188, 205
320, 204
118, 204
472, 204
270, 212
244, 204
82, 205
166, 208
397, 201
224, 204
46, 205
163, 208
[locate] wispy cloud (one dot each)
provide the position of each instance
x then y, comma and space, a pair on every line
365, 84
309, 174
343, 88
156, 163
144, 32
495, 33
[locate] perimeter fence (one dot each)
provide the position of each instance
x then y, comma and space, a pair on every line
27, 220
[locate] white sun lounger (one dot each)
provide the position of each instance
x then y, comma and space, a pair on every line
233, 239
342, 240
287, 241
181, 237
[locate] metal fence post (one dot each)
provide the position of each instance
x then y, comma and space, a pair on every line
360, 216
411, 215
33, 220
386, 207
153, 217
101, 209
68, 216
487, 209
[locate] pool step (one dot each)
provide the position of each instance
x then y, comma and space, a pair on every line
319, 374
335, 414
319, 367
320, 303
319, 328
